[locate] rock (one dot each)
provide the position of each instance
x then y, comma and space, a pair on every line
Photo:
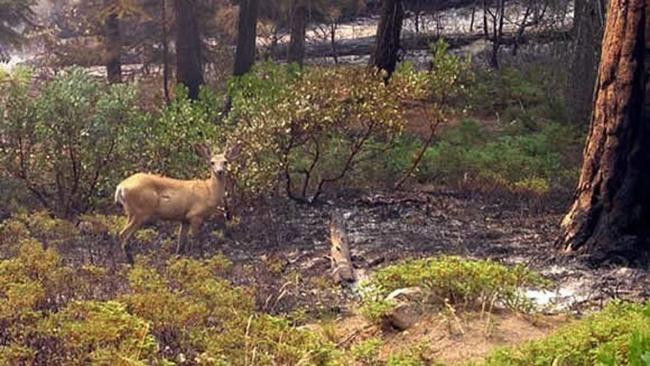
404, 315
406, 311
409, 294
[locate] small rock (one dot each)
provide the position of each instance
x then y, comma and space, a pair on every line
407, 310
404, 315
406, 294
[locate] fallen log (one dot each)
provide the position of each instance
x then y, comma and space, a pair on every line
364, 45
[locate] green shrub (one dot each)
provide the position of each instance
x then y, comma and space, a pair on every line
468, 284
100, 333
34, 286
525, 95
67, 144
52, 313
167, 141
367, 351
310, 128
196, 313
417, 355
618, 335
519, 161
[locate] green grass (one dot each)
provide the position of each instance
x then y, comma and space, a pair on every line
618, 335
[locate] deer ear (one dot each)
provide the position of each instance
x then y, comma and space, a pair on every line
203, 151
232, 152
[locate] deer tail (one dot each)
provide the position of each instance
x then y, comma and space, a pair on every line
119, 195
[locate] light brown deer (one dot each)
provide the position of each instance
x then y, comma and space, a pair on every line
147, 197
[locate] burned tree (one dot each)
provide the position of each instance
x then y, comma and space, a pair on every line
113, 44
587, 33
189, 65
246, 36
298, 31
610, 215
385, 55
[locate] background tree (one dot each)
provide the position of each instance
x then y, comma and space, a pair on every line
246, 36
298, 23
587, 34
113, 42
389, 32
496, 20
189, 65
611, 212
328, 15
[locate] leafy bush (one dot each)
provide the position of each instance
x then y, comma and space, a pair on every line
438, 95
519, 161
468, 284
67, 143
76, 138
619, 335
525, 95
168, 139
309, 128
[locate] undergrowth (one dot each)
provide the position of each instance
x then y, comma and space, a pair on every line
618, 335
461, 283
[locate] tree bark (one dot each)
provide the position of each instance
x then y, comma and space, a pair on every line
587, 37
189, 65
298, 32
246, 36
113, 43
165, 50
610, 217
385, 55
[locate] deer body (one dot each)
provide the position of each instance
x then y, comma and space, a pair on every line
145, 197
158, 197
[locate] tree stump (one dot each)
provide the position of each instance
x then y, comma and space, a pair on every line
342, 269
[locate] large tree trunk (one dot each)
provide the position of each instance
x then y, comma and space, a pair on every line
189, 65
389, 31
610, 216
246, 37
298, 32
589, 17
113, 43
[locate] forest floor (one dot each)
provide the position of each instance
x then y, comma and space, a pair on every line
281, 249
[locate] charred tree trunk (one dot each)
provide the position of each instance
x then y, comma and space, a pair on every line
389, 30
610, 217
165, 50
113, 48
298, 32
189, 65
246, 36
587, 37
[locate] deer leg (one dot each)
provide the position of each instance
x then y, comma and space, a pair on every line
195, 225
182, 237
125, 235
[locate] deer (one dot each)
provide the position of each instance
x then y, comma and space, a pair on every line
146, 197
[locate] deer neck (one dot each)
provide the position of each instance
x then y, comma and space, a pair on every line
217, 188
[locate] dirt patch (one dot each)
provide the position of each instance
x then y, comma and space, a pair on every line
447, 340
